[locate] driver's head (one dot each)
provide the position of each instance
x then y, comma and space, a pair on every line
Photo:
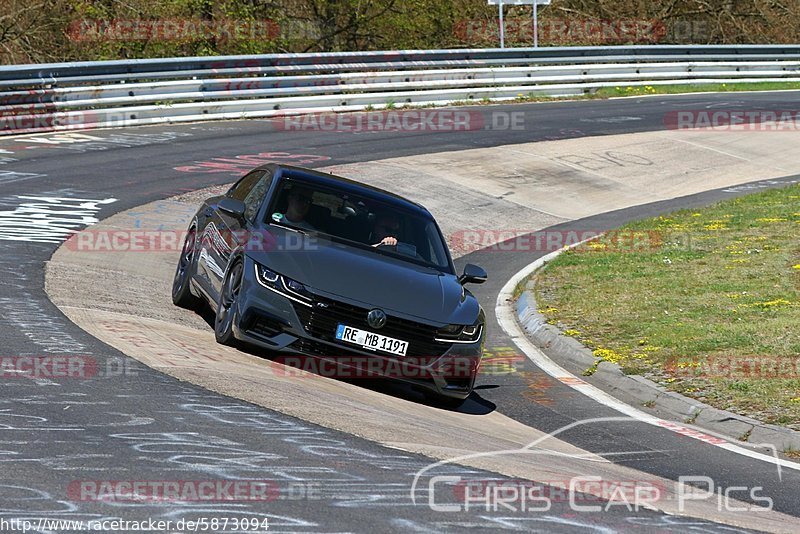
299, 202
386, 225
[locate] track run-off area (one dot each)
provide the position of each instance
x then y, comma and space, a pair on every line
164, 403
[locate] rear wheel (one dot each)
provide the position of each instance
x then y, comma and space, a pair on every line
182, 283
226, 308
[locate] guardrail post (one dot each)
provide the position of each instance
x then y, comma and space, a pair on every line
502, 25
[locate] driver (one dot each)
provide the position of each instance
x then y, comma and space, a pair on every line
386, 229
300, 199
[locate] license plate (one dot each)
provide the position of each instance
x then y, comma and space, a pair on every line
371, 340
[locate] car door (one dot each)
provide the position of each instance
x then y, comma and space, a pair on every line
214, 239
229, 232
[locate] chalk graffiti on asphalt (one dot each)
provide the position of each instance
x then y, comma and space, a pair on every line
238, 165
79, 142
48, 219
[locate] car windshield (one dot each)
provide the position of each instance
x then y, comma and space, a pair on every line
359, 220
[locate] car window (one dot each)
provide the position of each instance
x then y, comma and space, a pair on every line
362, 221
242, 188
255, 197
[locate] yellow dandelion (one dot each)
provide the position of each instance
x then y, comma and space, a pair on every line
769, 304
607, 355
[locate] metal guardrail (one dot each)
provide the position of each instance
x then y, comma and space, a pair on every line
68, 96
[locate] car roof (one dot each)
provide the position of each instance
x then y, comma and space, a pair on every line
345, 184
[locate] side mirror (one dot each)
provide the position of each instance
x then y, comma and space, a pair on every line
473, 275
231, 206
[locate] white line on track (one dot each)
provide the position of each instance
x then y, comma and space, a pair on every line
506, 318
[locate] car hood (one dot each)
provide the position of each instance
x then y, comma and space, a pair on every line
369, 279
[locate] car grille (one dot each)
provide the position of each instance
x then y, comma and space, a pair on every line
321, 322
321, 350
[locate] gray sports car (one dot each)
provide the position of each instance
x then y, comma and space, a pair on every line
321, 269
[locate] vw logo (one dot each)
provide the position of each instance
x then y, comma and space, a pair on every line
376, 318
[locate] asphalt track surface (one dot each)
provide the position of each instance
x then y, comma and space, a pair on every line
142, 425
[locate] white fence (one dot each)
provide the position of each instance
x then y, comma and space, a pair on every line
120, 93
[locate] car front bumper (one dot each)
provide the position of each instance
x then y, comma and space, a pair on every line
271, 320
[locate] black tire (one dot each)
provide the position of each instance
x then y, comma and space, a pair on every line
226, 307
181, 285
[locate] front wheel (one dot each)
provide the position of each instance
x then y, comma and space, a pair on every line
226, 307
181, 285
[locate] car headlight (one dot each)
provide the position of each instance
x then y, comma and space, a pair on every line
266, 276
459, 333
295, 287
451, 330
289, 288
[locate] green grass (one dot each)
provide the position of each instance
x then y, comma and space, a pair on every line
637, 90
699, 287
625, 90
